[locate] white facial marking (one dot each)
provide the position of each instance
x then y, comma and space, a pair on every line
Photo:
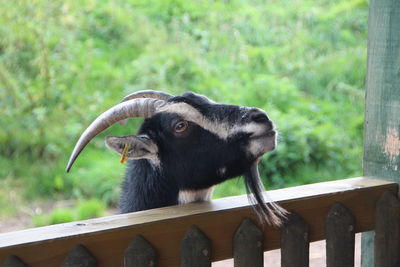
187, 196
252, 127
189, 113
224, 130
220, 128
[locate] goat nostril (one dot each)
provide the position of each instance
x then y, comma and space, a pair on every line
258, 116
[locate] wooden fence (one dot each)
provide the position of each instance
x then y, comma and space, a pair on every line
199, 233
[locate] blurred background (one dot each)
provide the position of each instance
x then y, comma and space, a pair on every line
62, 63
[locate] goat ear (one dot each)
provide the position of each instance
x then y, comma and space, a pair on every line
137, 146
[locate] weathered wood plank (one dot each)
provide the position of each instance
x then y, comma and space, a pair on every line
140, 253
195, 249
382, 111
79, 257
108, 237
387, 231
13, 261
382, 107
248, 245
295, 250
340, 237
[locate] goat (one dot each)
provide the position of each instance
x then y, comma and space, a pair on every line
186, 145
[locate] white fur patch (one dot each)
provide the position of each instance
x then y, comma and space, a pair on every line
220, 128
154, 162
189, 113
187, 196
252, 127
261, 145
221, 171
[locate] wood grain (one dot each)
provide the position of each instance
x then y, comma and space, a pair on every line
140, 253
108, 237
340, 237
79, 257
248, 245
295, 245
13, 261
195, 249
387, 231
382, 106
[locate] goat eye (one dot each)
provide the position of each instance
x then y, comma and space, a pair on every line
181, 126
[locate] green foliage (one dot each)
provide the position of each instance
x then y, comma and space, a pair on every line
60, 215
90, 209
64, 62
232, 187
85, 209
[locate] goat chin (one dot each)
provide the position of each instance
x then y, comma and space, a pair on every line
268, 212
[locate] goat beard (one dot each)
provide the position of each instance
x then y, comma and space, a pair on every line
268, 212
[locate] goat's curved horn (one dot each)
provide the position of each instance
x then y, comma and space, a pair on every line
140, 107
145, 94
148, 94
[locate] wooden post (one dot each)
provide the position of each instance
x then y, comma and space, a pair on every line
382, 109
340, 226
387, 231
248, 245
195, 249
295, 242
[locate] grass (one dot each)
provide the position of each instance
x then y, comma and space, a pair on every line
84, 209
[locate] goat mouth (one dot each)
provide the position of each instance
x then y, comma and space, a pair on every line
271, 133
262, 142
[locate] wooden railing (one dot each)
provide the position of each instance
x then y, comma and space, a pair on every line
199, 233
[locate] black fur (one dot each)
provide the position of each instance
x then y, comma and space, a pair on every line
192, 160
145, 188
214, 111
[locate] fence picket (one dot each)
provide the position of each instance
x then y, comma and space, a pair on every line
340, 237
140, 253
79, 257
387, 231
195, 249
248, 245
13, 261
108, 237
295, 243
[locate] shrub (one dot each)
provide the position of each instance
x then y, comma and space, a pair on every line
63, 62
59, 215
90, 209
85, 209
